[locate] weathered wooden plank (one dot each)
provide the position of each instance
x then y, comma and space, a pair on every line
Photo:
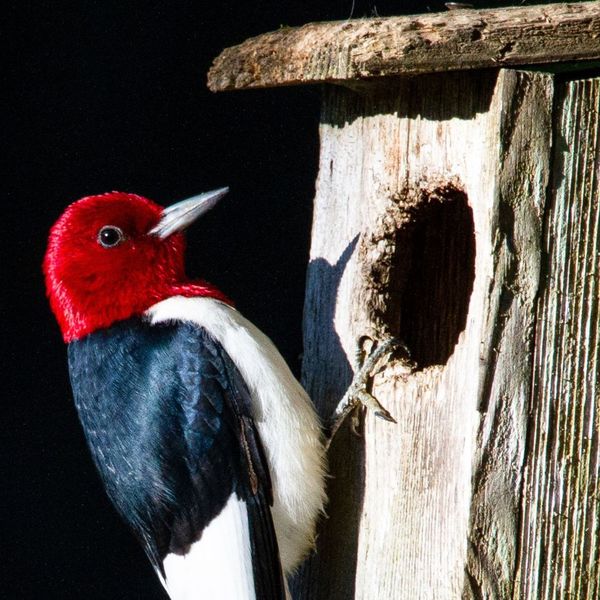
427, 226
344, 51
560, 545
524, 136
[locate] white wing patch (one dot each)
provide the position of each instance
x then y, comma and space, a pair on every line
286, 420
219, 565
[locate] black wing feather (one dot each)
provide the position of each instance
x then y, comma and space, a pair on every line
168, 419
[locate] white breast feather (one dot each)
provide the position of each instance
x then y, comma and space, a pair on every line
287, 423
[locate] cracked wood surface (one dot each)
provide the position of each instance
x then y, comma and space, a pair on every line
363, 49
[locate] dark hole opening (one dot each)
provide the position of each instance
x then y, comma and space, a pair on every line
433, 268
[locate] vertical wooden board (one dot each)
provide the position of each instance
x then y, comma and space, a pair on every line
524, 108
560, 545
402, 529
415, 513
326, 368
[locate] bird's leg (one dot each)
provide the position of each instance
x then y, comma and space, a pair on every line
358, 396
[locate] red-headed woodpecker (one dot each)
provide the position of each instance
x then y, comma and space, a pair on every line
207, 445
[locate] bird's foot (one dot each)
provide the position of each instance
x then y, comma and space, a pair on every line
358, 396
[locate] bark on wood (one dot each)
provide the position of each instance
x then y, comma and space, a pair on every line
348, 51
560, 539
427, 226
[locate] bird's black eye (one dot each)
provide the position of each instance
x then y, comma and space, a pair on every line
110, 236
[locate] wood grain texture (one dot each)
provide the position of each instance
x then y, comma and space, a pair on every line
523, 173
427, 225
359, 49
560, 545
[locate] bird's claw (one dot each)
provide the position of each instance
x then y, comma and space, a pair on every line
355, 415
369, 401
358, 395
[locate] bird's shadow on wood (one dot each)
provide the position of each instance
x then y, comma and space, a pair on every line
330, 573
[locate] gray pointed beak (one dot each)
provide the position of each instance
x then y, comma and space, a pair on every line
182, 214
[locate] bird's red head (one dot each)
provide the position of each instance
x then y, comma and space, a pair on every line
113, 256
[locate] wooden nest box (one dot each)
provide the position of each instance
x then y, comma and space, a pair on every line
457, 208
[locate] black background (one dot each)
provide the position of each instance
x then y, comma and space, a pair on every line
111, 95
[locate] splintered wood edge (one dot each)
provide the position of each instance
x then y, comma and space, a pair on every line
343, 51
